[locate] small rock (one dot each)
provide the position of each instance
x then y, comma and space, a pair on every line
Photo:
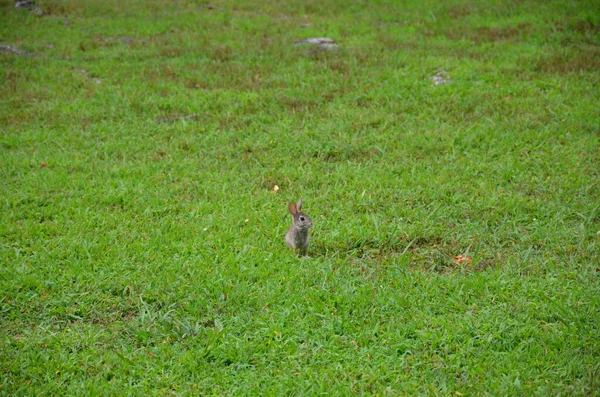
28, 4
14, 50
441, 77
324, 43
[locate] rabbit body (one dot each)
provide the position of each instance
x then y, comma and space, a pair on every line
297, 236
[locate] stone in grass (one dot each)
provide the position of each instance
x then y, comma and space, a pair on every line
28, 4
441, 77
14, 50
321, 43
31, 6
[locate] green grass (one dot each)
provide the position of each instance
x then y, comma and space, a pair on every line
141, 241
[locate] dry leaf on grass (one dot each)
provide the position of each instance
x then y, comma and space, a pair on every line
460, 259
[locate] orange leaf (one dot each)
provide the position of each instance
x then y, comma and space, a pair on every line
460, 259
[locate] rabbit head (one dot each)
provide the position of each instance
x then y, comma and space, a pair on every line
301, 220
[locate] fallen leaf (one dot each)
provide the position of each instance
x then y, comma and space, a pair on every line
460, 259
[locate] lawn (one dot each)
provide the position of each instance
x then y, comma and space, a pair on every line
448, 153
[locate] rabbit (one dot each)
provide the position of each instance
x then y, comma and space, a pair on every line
297, 236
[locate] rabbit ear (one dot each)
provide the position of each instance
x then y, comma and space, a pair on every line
292, 208
299, 205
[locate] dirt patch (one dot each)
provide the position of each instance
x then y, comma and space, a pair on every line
586, 59
171, 119
490, 34
339, 153
583, 27
461, 11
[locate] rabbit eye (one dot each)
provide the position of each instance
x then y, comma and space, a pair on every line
302, 218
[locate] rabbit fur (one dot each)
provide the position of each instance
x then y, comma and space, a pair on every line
297, 235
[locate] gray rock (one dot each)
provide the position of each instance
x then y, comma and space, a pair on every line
14, 50
28, 4
441, 77
323, 43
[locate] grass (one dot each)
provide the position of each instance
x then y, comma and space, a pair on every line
141, 241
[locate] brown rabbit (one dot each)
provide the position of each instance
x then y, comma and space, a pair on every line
297, 235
